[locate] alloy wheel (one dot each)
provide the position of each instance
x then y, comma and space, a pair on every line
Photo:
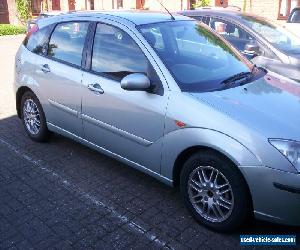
31, 116
210, 193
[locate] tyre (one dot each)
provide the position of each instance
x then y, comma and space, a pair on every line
214, 191
33, 117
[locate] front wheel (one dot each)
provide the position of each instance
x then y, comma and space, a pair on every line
33, 117
214, 191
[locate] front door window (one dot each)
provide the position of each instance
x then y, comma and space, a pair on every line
116, 55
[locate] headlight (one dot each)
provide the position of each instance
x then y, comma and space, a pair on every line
290, 149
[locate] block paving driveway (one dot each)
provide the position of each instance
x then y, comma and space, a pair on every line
62, 195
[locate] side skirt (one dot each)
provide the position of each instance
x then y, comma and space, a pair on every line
126, 161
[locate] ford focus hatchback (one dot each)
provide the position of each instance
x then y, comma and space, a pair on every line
168, 96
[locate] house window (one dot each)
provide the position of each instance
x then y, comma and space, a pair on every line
285, 8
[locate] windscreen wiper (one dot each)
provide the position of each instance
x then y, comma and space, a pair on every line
239, 78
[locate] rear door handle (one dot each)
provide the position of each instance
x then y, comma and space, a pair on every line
95, 87
45, 68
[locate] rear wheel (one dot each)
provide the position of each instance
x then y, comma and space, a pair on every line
214, 191
33, 117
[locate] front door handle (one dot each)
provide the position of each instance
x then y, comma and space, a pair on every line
95, 87
45, 68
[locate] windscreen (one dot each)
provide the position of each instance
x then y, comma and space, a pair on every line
198, 59
274, 34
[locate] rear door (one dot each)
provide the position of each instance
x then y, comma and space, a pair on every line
60, 76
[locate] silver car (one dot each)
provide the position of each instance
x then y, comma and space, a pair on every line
265, 43
170, 97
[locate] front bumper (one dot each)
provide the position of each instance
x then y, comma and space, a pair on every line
275, 194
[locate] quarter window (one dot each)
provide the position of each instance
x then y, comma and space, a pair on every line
115, 53
37, 41
67, 42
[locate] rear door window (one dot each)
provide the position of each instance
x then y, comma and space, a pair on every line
67, 42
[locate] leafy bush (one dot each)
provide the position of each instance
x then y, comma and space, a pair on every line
200, 3
9, 29
24, 10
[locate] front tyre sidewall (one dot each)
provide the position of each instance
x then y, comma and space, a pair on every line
43, 132
241, 208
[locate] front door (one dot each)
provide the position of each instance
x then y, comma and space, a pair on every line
127, 123
55, 4
221, 3
140, 4
62, 76
4, 15
71, 4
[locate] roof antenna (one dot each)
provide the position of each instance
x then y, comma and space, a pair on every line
172, 17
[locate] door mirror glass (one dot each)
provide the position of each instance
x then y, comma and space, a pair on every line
136, 81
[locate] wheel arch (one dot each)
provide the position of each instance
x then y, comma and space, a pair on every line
20, 92
180, 144
188, 152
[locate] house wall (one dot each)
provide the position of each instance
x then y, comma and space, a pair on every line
79, 4
12, 10
64, 5
266, 8
171, 5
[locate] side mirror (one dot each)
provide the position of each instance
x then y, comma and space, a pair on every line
251, 50
136, 81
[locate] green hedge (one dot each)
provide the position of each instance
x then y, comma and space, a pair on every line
9, 29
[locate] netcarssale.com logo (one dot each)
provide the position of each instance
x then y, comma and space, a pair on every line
272, 240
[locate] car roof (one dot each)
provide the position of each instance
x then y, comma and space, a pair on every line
53, 12
222, 12
133, 17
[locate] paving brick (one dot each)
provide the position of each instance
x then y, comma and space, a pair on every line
25, 244
48, 242
11, 241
